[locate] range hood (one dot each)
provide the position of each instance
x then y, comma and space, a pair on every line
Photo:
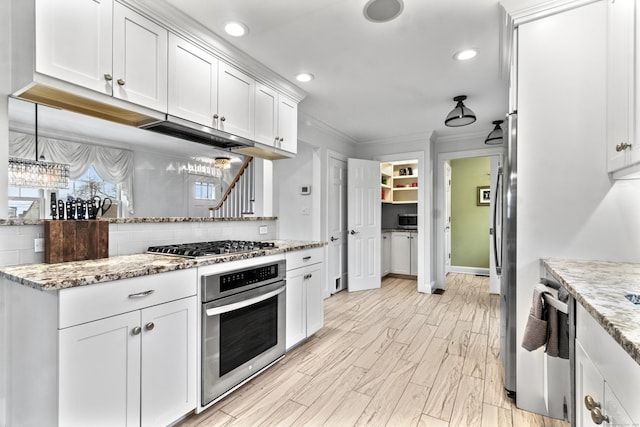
185, 129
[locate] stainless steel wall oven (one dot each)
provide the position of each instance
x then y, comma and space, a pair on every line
243, 326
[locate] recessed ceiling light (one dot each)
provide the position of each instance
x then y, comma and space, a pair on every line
465, 54
304, 77
236, 29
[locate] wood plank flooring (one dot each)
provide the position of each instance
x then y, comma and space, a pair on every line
388, 357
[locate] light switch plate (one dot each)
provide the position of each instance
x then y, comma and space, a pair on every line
263, 229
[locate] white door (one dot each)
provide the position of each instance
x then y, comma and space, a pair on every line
447, 217
236, 101
337, 256
168, 361
364, 231
73, 42
495, 225
100, 372
140, 50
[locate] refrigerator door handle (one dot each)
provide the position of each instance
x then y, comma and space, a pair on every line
494, 229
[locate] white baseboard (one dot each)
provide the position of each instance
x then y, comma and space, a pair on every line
470, 270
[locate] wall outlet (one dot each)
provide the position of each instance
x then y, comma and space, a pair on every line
38, 244
263, 229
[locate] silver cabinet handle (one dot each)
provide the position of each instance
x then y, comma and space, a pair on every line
307, 258
136, 330
108, 77
222, 119
216, 117
121, 82
149, 326
241, 304
354, 232
621, 146
142, 294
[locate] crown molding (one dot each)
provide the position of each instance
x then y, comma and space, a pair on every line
186, 27
523, 11
401, 139
469, 136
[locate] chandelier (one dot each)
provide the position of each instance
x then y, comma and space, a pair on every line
222, 162
37, 173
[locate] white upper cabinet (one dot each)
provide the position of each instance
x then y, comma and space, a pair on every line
266, 119
139, 59
236, 101
74, 43
287, 125
622, 147
276, 121
193, 82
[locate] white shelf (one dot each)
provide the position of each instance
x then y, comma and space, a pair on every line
399, 195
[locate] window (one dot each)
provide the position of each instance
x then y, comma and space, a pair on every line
204, 190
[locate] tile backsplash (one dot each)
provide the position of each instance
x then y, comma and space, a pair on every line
17, 242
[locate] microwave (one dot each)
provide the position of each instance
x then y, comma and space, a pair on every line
408, 221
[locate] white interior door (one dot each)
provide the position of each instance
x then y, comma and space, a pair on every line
495, 225
363, 183
337, 225
447, 217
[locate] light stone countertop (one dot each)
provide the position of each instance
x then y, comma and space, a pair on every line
48, 277
600, 287
147, 220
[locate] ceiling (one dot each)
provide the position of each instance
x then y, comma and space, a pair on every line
374, 81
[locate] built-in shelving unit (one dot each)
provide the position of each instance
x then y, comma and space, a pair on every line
399, 182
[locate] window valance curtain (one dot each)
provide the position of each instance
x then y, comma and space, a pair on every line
112, 164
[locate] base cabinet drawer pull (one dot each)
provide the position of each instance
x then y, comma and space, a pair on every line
149, 326
307, 258
142, 294
136, 330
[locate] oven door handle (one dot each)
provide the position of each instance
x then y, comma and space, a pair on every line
245, 303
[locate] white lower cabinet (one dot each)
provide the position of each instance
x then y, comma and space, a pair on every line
605, 377
404, 252
119, 353
385, 254
305, 305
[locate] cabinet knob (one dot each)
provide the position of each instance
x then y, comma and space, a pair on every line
222, 119
281, 139
149, 326
216, 117
590, 403
598, 417
621, 146
308, 276
121, 82
108, 77
136, 330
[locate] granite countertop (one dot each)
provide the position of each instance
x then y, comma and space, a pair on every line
148, 220
48, 277
600, 287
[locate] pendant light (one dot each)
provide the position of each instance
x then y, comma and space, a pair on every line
461, 115
37, 173
495, 136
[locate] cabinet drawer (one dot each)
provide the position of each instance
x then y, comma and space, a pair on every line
87, 303
297, 259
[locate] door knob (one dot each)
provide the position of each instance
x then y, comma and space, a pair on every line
333, 239
355, 232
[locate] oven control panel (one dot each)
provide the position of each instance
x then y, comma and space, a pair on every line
239, 279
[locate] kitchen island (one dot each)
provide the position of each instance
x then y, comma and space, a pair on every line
607, 338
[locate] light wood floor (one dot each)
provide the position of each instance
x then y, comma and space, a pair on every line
388, 357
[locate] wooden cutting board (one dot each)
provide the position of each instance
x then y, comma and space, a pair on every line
75, 240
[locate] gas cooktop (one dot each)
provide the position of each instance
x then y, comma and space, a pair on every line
203, 249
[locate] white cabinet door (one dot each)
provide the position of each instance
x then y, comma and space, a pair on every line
266, 123
287, 125
193, 82
296, 311
236, 101
139, 59
400, 253
589, 382
385, 261
413, 251
314, 301
99, 373
621, 92
168, 361
74, 41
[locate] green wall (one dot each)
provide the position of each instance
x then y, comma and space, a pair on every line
469, 222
